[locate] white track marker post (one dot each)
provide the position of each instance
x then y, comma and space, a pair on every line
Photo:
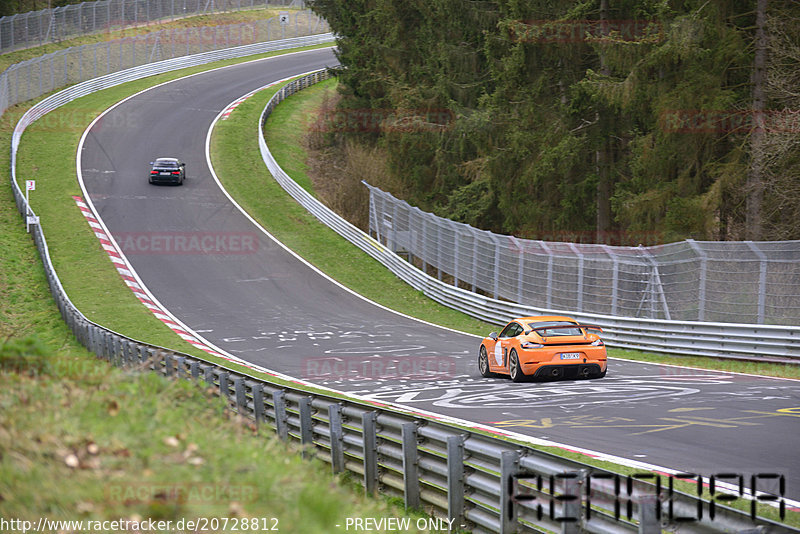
30, 185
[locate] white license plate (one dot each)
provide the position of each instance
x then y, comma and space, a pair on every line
570, 355
164, 173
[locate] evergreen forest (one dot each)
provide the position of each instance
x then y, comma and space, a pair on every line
614, 121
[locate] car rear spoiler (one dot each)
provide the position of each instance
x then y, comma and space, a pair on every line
586, 326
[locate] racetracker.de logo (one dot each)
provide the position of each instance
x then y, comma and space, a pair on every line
580, 31
729, 121
188, 242
362, 368
182, 492
383, 120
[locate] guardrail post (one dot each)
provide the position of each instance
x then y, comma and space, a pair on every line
455, 480
571, 499
496, 289
520, 267
180, 366
649, 521
168, 364
112, 349
456, 273
306, 423
208, 374
241, 396
579, 285
257, 390
281, 419
509, 466
150, 360
701, 289
337, 437
224, 387
141, 355
410, 465
424, 240
369, 428
549, 292
108, 345
762, 280
129, 354
194, 369
100, 343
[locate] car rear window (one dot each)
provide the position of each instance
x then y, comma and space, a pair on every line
167, 164
556, 331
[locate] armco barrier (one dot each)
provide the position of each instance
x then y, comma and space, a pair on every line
483, 482
718, 340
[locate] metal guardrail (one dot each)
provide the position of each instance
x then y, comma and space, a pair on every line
485, 483
718, 340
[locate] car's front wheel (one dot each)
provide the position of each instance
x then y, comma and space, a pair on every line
483, 363
514, 368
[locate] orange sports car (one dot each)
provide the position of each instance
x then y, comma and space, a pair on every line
546, 347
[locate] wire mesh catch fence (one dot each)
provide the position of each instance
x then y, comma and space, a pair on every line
731, 282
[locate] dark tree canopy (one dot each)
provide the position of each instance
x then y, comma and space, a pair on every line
565, 127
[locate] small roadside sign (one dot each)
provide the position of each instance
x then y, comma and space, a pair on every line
283, 17
30, 185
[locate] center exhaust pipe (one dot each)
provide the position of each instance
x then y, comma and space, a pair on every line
585, 371
556, 372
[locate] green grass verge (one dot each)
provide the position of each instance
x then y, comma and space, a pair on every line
82, 440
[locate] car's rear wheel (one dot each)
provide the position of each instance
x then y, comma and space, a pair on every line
514, 368
483, 363
601, 375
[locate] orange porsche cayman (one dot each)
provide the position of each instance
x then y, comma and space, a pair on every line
546, 347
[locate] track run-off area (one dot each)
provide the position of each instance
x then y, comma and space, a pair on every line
229, 282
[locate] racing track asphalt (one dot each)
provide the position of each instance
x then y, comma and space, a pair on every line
253, 299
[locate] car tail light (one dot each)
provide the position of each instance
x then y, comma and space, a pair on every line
598, 343
153, 172
176, 172
530, 345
